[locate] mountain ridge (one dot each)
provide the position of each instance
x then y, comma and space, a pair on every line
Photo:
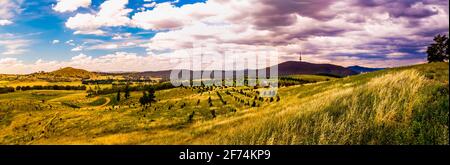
362, 69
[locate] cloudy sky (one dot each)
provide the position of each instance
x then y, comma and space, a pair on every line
142, 35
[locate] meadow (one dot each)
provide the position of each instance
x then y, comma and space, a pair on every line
407, 105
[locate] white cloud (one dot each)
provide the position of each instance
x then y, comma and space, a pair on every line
114, 45
159, 18
119, 61
55, 41
349, 32
13, 46
112, 13
107, 46
70, 5
122, 36
150, 5
166, 16
77, 49
70, 42
4, 22
323, 31
8, 10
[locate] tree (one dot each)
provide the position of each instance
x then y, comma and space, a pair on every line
210, 102
438, 51
143, 99
147, 98
118, 96
151, 97
127, 91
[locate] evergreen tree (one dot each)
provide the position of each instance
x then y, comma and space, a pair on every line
118, 96
210, 101
127, 91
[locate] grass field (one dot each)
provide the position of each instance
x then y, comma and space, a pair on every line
407, 105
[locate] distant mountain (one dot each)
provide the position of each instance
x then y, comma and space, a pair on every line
72, 72
284, 69
360, 69
297, 67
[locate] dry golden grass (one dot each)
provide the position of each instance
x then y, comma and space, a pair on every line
398, 106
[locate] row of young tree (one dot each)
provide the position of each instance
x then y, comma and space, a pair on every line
41, 87
148, 97
111, 81
127, 88
6, 90
50, 87
290, 81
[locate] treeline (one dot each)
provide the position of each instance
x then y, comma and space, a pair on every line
51, 87
111, 81
90, 82
6, 90
290, 81
115, 89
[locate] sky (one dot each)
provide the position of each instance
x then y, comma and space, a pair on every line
147, 35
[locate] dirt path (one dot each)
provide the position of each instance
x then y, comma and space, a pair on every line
108, 100
106, 103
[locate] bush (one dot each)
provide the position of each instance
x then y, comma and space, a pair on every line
52, 87
6, 89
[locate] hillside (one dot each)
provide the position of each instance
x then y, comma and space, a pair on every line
297, 67
360, 69
72, 73
284, 69
407, 105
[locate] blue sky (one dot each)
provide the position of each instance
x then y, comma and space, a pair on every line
40, 24
141, 35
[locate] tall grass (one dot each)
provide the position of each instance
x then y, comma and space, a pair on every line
407, 105
391, 109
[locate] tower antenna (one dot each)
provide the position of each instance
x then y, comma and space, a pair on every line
300, 58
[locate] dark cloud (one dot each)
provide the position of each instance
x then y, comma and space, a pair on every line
274, 13
374, 55
400, 8
275, 20
309, 8
433, 32
319, 31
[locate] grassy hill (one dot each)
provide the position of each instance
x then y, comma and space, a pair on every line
284, 69
399, 106
72, 72
407, 105
63, 76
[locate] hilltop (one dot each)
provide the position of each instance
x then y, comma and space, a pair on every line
72, 73
284, 69
298, 67
361, 69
